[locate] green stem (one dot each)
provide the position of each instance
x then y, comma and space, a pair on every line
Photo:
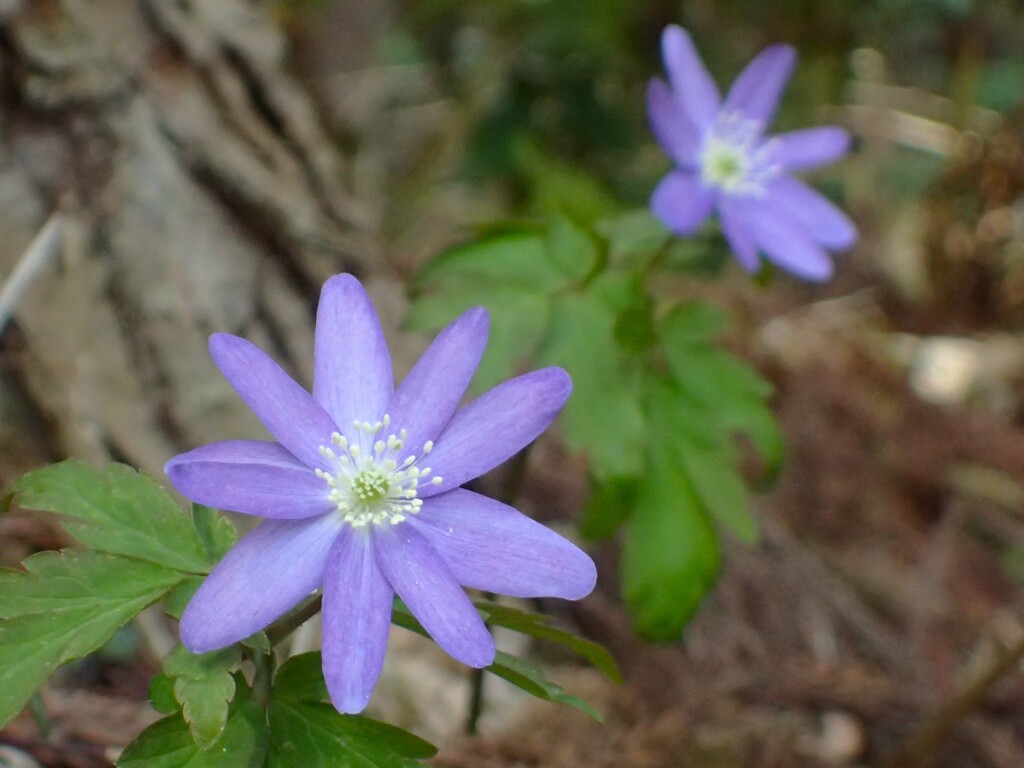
261, 679
287, 624
659, 257
476, 702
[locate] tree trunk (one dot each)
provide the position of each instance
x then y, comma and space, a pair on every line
198, 191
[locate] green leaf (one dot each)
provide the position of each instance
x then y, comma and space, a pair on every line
671, 554
755, 420
532, 680
609, 506
161, 694
728, 389
634, 327
301, 678
116, 510
177, 598
215, 531
557, 185
204, 686
719, 486
539, 626
571, 248
306, 734
603, 418
633, 238
169, 744
714, 376
513, 258
516, 671
66, 605
519, 318
692, 322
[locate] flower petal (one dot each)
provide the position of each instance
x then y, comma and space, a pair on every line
489, 545
421, 578
352, 376
424, 403
250, 476
356, 617
671, 126
813, 212
737, 233
809, 148
788, 245
267, 573
681, 202
693, 86
288, 411
757, 90
495, 426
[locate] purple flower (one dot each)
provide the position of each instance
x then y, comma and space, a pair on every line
725, 161
361, 491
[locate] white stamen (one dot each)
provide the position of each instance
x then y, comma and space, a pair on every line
735, 158
370, 484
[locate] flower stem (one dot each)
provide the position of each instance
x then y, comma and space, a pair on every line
262, 677
476, 702
288, 623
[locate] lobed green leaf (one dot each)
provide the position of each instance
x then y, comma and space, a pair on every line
214, 530
519, 319
116, 510
168, 743
204, 687
717, 483
572, 248
671, 555
603, 418
516, 257
66, 605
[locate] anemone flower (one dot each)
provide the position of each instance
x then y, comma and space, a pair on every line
360, 488
725, 161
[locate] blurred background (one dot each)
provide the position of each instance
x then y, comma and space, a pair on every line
205, 165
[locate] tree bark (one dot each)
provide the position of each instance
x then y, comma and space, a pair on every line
200, 192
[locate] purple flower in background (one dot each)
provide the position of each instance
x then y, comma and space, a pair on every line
725, 161
361, 491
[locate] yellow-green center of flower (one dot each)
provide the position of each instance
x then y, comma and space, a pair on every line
724, 165
370, 482
370, 486
736, 158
